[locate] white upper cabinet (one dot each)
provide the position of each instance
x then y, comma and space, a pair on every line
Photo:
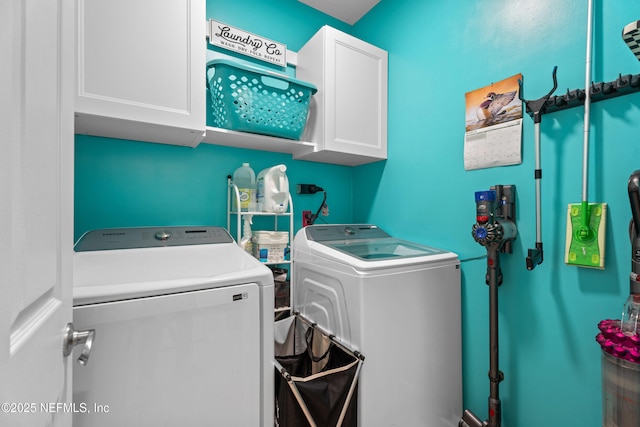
141, 70
348, 115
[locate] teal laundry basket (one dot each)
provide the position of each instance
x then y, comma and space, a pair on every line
249, 99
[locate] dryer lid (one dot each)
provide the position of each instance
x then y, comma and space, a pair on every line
125, 263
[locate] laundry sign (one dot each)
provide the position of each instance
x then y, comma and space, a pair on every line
245, 43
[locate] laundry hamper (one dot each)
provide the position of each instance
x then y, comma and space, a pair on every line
249, 99
316, 377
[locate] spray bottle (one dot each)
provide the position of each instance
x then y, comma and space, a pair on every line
246, 242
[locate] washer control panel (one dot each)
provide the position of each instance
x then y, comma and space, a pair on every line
150, 237
326, 233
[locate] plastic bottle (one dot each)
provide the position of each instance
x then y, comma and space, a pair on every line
245, 179
246, 242
273, 189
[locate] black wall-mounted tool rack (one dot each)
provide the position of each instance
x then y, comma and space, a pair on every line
623, 85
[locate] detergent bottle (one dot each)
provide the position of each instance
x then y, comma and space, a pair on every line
245, 179
246, 242
273, 189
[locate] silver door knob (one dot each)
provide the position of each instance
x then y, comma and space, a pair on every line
73, 338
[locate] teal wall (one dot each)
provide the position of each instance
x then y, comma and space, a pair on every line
130, 184
548, 316
437, 52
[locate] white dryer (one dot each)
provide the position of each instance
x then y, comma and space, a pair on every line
183, 321
398, 303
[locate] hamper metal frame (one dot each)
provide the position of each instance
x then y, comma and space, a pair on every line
292, 379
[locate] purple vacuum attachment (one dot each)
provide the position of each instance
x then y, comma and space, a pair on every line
613, 341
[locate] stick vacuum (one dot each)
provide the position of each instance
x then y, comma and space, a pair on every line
494, 229
631, 311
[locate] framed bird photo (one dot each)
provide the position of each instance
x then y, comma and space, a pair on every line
493, 125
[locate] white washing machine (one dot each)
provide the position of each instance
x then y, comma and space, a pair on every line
399, 304
183, 321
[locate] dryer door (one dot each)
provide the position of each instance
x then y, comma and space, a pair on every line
188, 359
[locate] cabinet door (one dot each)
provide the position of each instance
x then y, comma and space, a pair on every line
141, 72
349, 121
356, 96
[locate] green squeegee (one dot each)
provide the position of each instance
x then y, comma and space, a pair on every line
586, 221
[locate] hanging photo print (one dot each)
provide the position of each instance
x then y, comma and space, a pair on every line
493, 125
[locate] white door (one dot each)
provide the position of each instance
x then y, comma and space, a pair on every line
36, 210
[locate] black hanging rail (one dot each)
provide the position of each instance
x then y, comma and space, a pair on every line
623, 85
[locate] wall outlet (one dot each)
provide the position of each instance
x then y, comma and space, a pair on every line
307, 189
306, 215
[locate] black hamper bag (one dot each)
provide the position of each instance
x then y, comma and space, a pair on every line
316, 377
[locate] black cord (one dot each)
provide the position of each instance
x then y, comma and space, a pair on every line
313, 217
